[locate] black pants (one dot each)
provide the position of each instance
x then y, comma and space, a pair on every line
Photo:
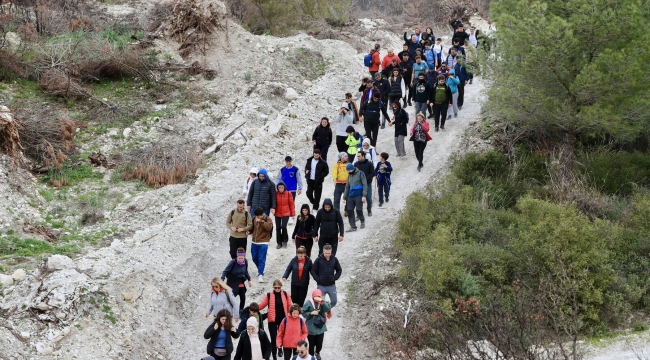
299, 293
282, 235
315, 343
419, 151
324, 240
288, 353
293, 194
241, 292
340, 143
372, 131
440, 114
461, 93
323, 151
236, 243
307, 243
314, 191
273, 334
226, 357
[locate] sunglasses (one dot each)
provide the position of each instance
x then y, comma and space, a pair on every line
277, 287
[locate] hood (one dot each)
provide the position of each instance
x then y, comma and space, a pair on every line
281, 183
253, 170
328, 201
452, 72
398, 105
304, 206
366, 141
263, 172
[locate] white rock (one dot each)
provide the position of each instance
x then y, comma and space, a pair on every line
291, 94
13, 39
126, 132
63, 287
112, 132
210, 150
19, 274
264, 117
59, 262
6, 280
43, 306
44, 348
307, 83
25, 334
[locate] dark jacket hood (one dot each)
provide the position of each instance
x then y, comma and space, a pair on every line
328, 201
304, 206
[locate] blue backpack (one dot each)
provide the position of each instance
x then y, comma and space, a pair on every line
367, 60
360, 144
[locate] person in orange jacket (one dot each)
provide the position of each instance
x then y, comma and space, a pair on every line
284, 209
293, 329
279, 303
376, 60
389, 58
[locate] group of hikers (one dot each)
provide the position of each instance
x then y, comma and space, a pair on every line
296, 321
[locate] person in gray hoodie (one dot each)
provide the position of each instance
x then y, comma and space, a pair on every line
261, 193
355, 195
344, 119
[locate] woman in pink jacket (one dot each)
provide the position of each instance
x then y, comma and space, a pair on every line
420, 136
284, 209
292, 329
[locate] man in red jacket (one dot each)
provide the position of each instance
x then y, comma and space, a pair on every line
389, 58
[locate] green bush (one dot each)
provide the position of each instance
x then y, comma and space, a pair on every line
617, 173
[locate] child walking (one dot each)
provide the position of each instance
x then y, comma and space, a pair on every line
383, 171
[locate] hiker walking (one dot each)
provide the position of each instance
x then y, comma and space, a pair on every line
239, 221
340, 177
453, 82
352, 108
397, 86
322, 137
368, 168
292, 329
344, 119
221, 297
400, 121
330, 223
420, 136
253, 344
278, 302
303, 232
374, 65
236, 273
252, 310
290, 176
284, 210
354, 196
421, 93
460, 71
353, 141
326, 270
441, 100
371, 113
383, 171
221, 332
261, 194
316, 171
299, 269
384, 90
251, 176
315, 312
262, 226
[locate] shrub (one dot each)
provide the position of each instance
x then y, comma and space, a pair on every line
617, 173
161, 164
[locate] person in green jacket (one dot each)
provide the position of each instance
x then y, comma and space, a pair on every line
353, 142
312, 308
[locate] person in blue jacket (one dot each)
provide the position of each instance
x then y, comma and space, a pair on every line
453, 82
463, 78
383, 171
290, 176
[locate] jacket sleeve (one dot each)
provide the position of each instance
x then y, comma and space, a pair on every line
449, 95
403, 88
247, 274
313, 136
303, 331
235, 303
278, 177
266, 345
295, 231
249, 198
345, 191
249, 221
292, 205
280, 336
229, 220
383, 111
389, 167
265, 301
337, 270
326, 170
209, 332
234, 334
211, 307
364, 182
298, 179
273, 199
425, 126
289, 268
362, 87
268, 224
314, 271
317, 224
406, 39
335, 171
240, 349
362, 110
331, 136
339, 220
228, 269
376, 59
377, 169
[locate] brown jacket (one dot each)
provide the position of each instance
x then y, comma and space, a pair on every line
240, 220
262, 230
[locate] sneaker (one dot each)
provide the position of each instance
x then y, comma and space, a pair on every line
470, 81
455, 116
363, 225
278, 247
260, 278
460, 108
315, 208
430, 116
410, 104
436, 129
383, 126
284, 244
369, 212
317, 356
419, 167
280, 353
386, 198
380, 204
351, 229
442, 128
448, 117
290, 220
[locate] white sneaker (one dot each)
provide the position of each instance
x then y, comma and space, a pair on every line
260, 278
290, 220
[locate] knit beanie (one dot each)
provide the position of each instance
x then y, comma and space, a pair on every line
341, 155
349, 167
317, 292
349, 129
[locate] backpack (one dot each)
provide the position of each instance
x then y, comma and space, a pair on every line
360, 144
295, 357
246, 216
367, 60
284, 321
407, 115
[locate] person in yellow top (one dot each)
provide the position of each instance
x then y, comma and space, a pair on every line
340, 176
353, 142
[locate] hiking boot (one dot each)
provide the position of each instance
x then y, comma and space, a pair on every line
430, 116
369, 213
448, 117
405, 105
442, 128
351, 229
279, 246
410, 104
260, 278
455, 116
460, 108
363, 225
317, 356
380, 204
383, 126
436, 129
315, 207
386, 198
419, 167
284, 244
280, 353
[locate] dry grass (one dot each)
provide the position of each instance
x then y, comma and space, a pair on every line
56, 82
9, 134
161, 164
44, 139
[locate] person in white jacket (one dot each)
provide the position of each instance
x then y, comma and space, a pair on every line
344, 119
371, 152
249, 181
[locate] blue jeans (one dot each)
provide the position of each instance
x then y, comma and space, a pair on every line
258, 252
331, 290
383, 189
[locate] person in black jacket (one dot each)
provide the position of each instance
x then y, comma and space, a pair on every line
325, 271
384, 89
303, 232
460, 34
244, 348
221, 333
368, 168
316, 171
252, 310
330, 223
370, 116
389, 69
407, 73
412, 43
400, 120
440, 99
300, 269
322, 137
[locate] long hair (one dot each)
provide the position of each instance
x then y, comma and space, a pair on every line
224, 312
